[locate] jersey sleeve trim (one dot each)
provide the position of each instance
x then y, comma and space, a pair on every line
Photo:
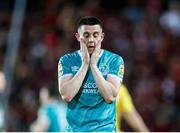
115, 76
65, 75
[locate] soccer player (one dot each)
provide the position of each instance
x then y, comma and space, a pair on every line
89, 80
126, 109
52, 113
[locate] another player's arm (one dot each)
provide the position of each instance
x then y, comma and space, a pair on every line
126, 108
70, 85
135, 121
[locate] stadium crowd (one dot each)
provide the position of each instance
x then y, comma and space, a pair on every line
145, 33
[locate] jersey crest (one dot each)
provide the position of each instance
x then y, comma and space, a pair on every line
121, 71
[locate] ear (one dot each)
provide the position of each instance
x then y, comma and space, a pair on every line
102, 36
77, 36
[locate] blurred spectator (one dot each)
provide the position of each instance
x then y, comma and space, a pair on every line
2, 88
170, 20
2, 82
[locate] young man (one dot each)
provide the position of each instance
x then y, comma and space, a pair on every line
51, 114
125, 109
89, 80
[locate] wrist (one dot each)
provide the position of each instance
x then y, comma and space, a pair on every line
85, 65
93, 66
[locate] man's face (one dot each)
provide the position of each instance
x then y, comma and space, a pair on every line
90, 35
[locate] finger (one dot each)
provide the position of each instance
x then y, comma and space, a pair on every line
97, 48
84, 50
82, 43
83, 46
99, 44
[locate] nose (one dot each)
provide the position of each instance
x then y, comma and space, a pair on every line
91, 38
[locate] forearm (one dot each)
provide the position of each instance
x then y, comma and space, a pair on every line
135, 121
70, 88
107, 90
39, 126
141, 125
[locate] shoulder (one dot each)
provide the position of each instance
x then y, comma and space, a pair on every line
123, 90
68, 56
112, 55
43, 109
122, 94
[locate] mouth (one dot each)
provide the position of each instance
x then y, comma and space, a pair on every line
91, 47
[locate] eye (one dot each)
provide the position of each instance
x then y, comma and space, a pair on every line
96, 34
86, 34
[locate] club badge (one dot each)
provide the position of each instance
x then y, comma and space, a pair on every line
121, 71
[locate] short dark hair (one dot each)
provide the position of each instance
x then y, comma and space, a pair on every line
89, 20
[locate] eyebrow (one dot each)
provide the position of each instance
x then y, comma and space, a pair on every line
96, 32
86, 32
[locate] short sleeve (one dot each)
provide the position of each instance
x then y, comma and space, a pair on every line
43, 115
117, 68
64, 67
125, 100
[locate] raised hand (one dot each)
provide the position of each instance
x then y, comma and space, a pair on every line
85, 53
95, 54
